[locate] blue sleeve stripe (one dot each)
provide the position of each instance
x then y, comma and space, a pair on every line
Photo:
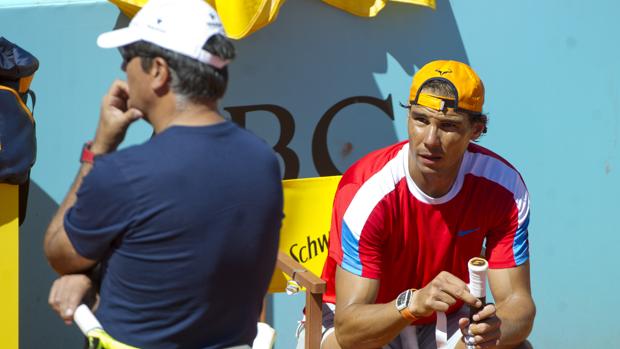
350, 251
520, 247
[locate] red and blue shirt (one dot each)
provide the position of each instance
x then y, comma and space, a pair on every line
384, 227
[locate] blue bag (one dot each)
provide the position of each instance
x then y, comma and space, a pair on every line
18, 145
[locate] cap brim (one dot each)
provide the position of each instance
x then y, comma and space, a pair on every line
118, 38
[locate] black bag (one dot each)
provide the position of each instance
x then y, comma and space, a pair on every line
18, 145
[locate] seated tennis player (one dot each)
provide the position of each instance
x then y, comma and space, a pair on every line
406, 220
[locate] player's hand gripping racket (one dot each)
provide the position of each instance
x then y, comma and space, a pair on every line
478, 268
92, 329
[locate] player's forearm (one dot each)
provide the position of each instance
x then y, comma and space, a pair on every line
517, 315
363, 326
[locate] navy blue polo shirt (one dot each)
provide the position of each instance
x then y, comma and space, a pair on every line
186, 226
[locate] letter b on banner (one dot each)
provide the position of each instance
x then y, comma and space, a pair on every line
320, 153
287, 130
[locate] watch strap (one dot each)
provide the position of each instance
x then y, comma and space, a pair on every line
87, 155
405, 312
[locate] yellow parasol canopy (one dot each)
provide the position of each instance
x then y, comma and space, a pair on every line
370, 8
243, 17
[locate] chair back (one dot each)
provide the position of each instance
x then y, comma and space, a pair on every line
305, 229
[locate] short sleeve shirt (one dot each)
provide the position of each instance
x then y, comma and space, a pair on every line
384, 227
176, 221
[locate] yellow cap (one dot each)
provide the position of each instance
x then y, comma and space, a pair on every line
468, 86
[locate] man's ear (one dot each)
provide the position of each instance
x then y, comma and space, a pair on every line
160, 76
478, 129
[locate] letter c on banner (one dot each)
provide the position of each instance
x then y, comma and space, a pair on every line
301, 256
320, 152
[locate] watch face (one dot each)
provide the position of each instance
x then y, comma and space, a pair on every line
402, 301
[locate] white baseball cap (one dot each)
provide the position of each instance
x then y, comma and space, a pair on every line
183, 26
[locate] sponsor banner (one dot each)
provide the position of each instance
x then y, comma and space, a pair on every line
307, 219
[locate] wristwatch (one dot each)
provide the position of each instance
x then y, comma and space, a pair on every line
87, 155
402, 304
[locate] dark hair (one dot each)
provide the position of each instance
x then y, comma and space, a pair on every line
444, 89
198, 82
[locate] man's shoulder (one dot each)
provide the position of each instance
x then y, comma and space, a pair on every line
106, 163
172, 138
480, 151
488, 165
388, 159
106, 179
121, 158
373, 179
242, 140
254, 143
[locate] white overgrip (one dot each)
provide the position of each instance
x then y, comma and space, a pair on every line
85, 319
478, 268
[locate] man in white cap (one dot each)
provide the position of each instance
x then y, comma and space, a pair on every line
184, 227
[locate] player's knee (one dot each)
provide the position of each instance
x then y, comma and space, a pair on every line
330, 341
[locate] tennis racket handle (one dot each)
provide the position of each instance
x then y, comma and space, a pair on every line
85, 319
474, 310
478, 268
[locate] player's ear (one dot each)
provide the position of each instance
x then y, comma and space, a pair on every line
478, 125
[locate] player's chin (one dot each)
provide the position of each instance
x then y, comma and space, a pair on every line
427, 168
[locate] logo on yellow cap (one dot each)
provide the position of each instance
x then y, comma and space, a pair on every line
442, 72
468, 87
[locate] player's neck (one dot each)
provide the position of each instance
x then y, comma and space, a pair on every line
433, 184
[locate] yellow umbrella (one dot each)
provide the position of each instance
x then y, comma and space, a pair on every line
240, 17
243, 17
370, 8
129, 7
